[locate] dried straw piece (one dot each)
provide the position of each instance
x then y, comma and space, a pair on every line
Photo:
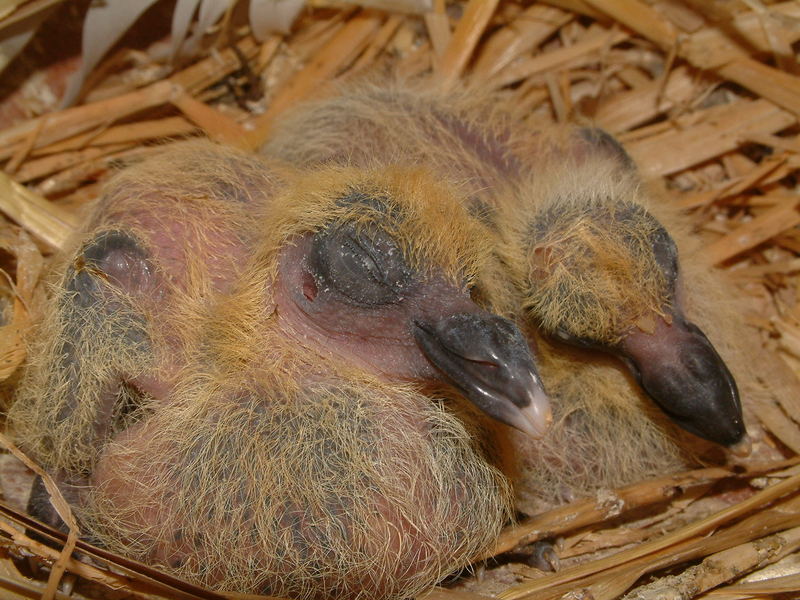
682, 16
74, 566
587, 512
758, 271
769, 170
597, 538
783, 216
581, 7
605, 584
661, 546
138, 588
559, 96
596, 41
588, 542
124, 576
532, 27
334, 55
779, 39
14, 587
23, 150
308, 41
29, 9
438, 25
782, 88
12, 341
267, 52
35, 169
403, 6
63, 510
72, 121
29, 267
130, 132
626, 110
639, 17
465, 38
217, 126
781, 403
757, 589
382, 39
416, 62
69, 179
713, 46
202, 74
45, 220
789, 144
720, 567
713, 131
446, 594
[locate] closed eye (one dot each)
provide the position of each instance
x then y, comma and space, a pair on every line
369, 262
365, 265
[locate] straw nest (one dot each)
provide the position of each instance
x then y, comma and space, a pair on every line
704, 93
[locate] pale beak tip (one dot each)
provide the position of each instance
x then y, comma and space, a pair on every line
742, 448
535, 418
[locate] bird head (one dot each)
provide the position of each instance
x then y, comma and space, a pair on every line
375, 269
600, 271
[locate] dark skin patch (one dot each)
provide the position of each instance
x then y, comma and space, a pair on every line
366, 267
490, 149
107, 268
602, 142
484, 212
115, 257
40, 508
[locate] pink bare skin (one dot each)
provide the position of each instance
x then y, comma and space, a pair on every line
397, 334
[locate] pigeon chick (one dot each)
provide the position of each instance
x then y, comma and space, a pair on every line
234, 380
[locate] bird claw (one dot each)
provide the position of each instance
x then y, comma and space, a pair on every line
544, 556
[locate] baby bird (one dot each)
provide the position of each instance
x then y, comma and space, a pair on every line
602, 264
584, 257
598, 270
234, 380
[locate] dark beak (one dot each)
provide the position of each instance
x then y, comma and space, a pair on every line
680, 369
487, 358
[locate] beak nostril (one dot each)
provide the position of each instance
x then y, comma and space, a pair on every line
487, 365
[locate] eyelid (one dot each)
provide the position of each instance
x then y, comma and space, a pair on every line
369, 260
365, 268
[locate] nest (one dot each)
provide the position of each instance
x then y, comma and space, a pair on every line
703, 93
